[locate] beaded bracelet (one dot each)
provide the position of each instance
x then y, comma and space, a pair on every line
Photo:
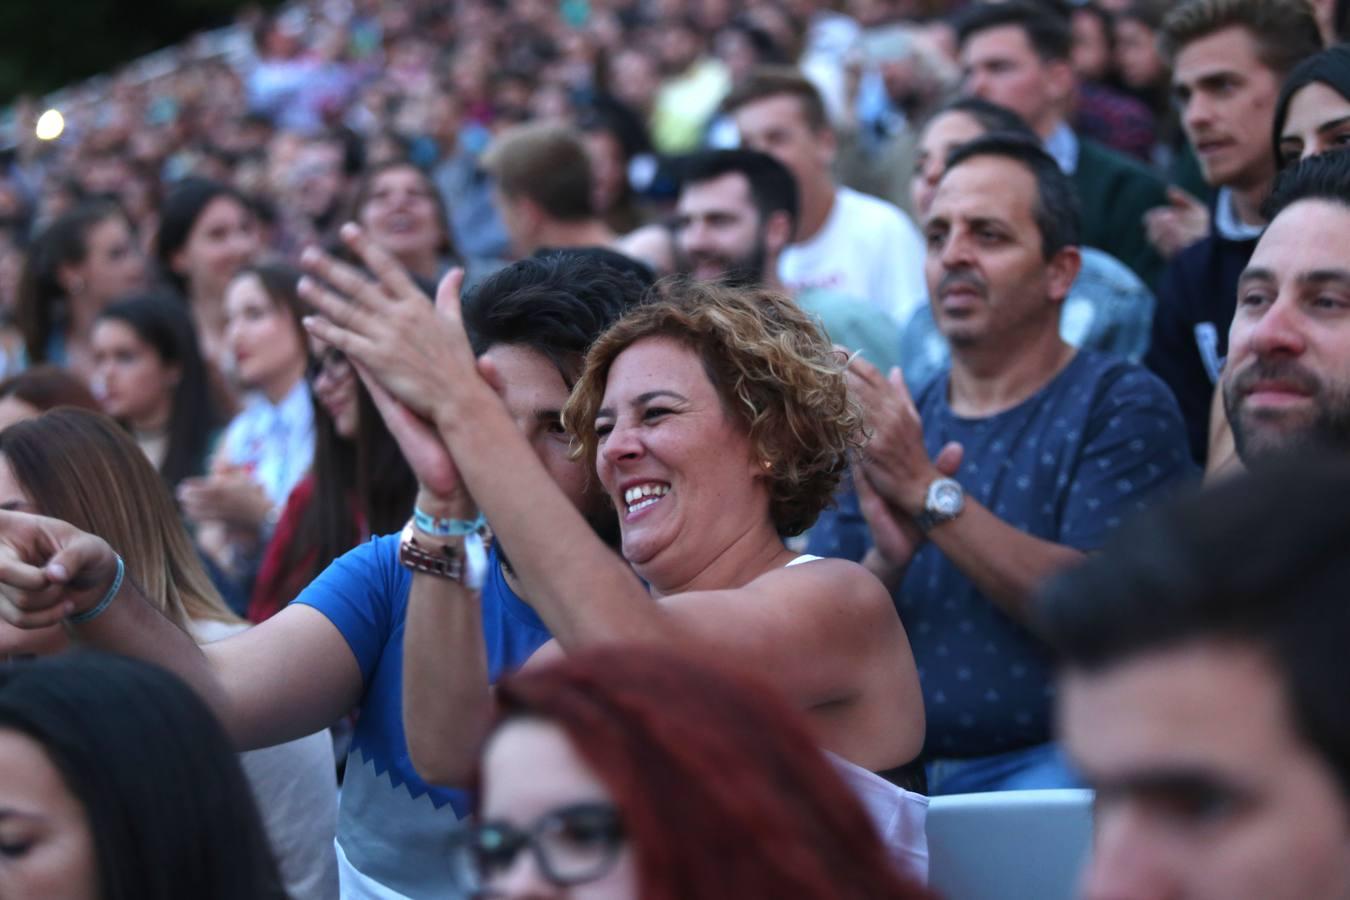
94, 612
438, 527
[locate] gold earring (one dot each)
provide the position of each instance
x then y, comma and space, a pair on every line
768, 466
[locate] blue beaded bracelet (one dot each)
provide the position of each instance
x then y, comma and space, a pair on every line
434, 525
93, 613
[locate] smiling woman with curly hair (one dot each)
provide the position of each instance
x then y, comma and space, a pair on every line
774, 372
716, 421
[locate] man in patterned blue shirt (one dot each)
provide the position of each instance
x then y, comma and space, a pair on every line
1050, 448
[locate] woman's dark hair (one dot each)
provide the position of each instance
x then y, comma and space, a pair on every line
722, 789
47, 387
40, 307
609, 114
163, 324
990, 116
366, 477
168, 806
186, 201
1330, 67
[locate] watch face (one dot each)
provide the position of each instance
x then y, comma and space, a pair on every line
947, 499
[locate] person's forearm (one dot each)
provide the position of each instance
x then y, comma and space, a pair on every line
130, 626
887, 572
446, 699
1005, 564
582, 590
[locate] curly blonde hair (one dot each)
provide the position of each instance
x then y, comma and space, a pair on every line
772, 367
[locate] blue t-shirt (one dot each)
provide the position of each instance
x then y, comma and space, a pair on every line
392, 826
1067, 465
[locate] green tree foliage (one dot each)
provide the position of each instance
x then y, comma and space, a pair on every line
47, 44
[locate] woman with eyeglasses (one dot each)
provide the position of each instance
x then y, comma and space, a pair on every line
359, 485
637, 772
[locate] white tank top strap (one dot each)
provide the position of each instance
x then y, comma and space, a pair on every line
804, 558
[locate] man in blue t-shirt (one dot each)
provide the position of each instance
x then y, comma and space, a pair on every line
339, 645
1050, 447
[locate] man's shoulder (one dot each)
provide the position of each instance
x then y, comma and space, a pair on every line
1110, 382
1099, 161
368, 571
863, 212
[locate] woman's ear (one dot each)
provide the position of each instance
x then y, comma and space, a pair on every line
71, 280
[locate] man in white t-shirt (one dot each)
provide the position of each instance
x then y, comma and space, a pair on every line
845, 241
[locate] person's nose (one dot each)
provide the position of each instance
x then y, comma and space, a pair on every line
1198, 114
1279, 331
243, 245
956, 252
694, 237
977, 83
622, 444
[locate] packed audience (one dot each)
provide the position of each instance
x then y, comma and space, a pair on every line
651, 450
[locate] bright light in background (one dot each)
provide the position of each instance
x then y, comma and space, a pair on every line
50, 125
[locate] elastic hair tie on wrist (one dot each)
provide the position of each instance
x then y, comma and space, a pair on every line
93, 613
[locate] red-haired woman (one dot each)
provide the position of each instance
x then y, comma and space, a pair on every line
635, 773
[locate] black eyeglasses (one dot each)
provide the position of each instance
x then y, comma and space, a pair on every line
572, 845
331, 361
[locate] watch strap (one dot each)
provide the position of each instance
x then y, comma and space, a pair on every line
465, 561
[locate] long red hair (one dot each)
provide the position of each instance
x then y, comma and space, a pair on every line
721, 787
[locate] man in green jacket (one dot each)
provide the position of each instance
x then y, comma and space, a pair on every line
1017, 55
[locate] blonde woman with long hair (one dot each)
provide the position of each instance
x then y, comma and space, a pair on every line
81, 467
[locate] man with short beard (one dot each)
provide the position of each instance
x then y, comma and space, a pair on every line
1286, 385
1055, 446
736, 212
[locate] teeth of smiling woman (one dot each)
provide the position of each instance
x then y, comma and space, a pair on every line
643, 496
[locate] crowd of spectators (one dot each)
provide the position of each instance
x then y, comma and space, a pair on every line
825, 405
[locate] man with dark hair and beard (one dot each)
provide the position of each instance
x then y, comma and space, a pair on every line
1009, 466
736, 212
1286, 384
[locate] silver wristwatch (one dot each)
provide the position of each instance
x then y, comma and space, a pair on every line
944, 502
